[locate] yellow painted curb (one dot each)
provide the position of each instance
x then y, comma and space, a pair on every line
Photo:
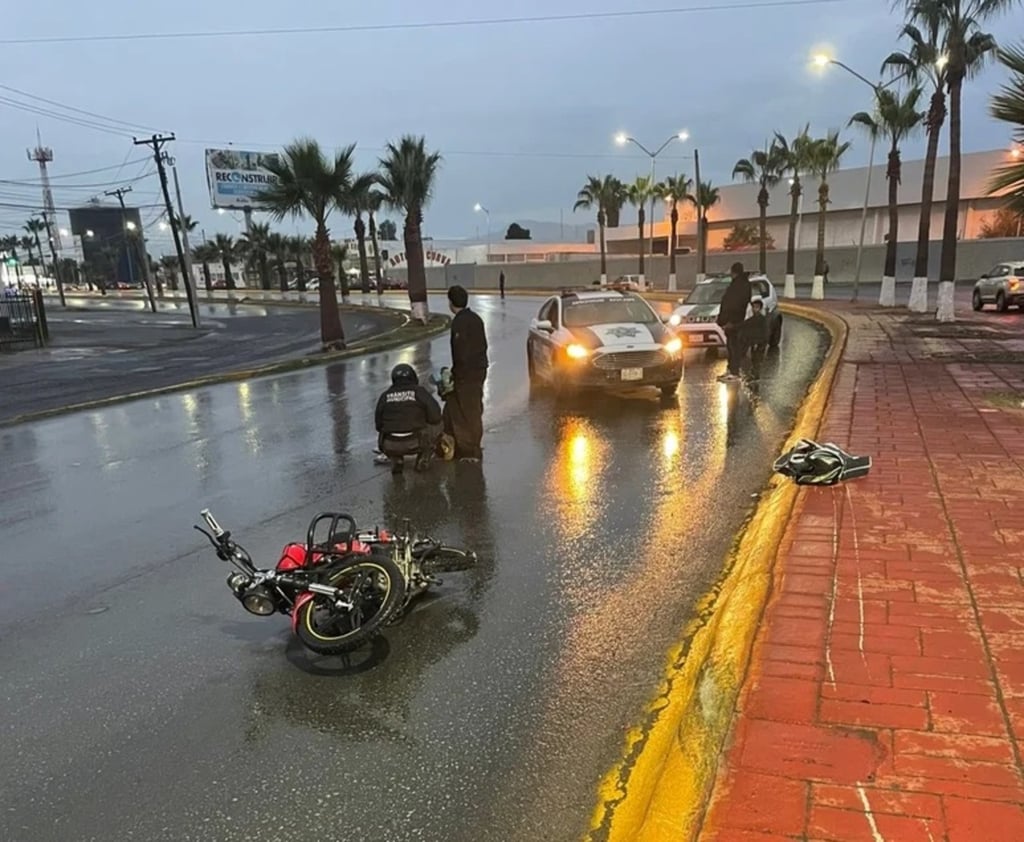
371, 345
659, 790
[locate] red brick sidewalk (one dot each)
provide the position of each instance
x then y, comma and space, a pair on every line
885, 699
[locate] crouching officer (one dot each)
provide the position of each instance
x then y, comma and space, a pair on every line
408, 420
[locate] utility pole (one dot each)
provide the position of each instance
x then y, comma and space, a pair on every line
156, 143
125, 234
53, 256
181, 212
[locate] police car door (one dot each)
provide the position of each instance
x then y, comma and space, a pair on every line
545, 344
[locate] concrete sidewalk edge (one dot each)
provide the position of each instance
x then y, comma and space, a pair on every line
389, 340
660, 788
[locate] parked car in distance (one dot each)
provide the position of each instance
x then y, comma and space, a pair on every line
694, 320
1002, 285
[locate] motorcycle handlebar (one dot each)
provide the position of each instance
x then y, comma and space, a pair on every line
211, 521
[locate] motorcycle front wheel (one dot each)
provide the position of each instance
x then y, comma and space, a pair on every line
375, 588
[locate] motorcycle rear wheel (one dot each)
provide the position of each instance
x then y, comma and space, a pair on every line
448, 560
376, 588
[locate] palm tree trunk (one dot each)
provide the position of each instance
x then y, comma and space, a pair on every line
604, 255
640, 224
794, 213
416, 268
207, 279
674, 218
936, 117
229, 279
818, 288
946, 311
887, 296
762, 257
300, 272
364, 263
376, 253
264, 271
343, 282
332, 334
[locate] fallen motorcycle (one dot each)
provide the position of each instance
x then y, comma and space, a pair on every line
342, 586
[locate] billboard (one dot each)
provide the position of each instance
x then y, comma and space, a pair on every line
235, 177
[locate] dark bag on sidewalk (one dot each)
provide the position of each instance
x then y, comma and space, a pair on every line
810, 463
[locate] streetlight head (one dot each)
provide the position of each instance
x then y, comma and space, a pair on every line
478, 207
1015, 152
683, 135
90, 233
63, 232
163, 226
221, 211
621, 138
821, 60
792, 181
942, 61
131, 225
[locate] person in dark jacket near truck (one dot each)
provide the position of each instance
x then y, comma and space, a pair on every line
755, 336
465, 407
408, 420
731, 314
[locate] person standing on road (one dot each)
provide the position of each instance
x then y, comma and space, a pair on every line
469, 371
501, 284
755, 336
731, 315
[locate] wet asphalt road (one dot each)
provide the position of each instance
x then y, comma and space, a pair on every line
140, 701
106, 347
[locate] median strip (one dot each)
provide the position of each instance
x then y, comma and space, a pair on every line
659, 789
405, 334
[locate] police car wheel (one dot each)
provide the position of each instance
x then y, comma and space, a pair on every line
531, 368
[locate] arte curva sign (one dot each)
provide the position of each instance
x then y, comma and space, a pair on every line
236, 178
430, 256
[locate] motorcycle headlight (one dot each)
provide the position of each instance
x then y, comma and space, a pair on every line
576, 352
259, 600
674, 345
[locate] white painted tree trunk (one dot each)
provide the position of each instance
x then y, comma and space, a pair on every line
604, 278
420, 312
818, 288
643, 282
887, 295
790, 289
700, 277
946, 311
919, 296
672, 282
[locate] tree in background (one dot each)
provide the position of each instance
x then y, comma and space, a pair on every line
1004, 223
640, 192
360, 201
388, 230
277, 248
1007, 106
895, 117
743, 237
797, 159
600, 194
517, 232
674, 189
228, 251
826, 156
765, 167
703, 199
407, 177
256, 243
205, 254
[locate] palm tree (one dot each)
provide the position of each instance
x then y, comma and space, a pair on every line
28, 243
796, 157
616, 196
826, 155
674, 189
255, 242
311, 184
298, 248
965, 49
205, 254
277, 245
407, 181
228, 250
374, 200
896, 118
339, 251
924, 60
604, 195
359, 202
705, 198
34, 227
9, 244
640, 193
765, 168
1008, 106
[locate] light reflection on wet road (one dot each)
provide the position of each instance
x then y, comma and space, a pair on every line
142, 702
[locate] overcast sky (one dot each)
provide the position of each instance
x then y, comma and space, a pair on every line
521, 112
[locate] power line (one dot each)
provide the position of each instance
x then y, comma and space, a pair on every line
443, 24
56, 115
37, 182
78, 110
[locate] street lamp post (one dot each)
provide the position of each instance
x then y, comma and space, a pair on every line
481, 209
622, 139
824, 61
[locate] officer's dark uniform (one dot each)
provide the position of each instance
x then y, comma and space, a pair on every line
465, 407
407, 407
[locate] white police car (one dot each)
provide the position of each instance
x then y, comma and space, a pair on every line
694, 320
602, 338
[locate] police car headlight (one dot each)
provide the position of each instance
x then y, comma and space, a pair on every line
675, 319
674, 345
576, 352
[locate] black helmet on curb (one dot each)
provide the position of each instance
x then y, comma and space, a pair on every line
404, 374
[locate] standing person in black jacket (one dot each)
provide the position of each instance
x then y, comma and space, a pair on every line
731, 314
408, 420
465, 408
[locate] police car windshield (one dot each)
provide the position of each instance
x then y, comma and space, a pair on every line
605, 311
710, 293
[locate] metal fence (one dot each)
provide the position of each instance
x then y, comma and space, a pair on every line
22, 321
